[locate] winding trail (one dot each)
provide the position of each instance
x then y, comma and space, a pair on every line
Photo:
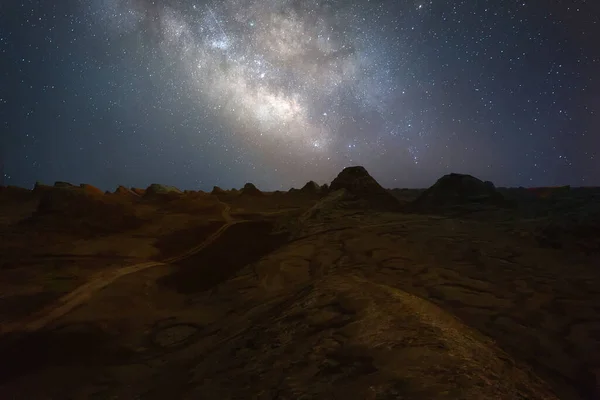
83, 293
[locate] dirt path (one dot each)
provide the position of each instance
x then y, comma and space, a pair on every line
83, 293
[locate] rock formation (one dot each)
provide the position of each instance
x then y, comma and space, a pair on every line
123, 191
357, 181
40, 187
324, 208
156, 188
250, 190
457, 190
311, 187
90, 189
63, 185
217, 190
138, 191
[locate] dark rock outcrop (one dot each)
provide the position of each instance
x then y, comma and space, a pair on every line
90, 189
123, 191
217, 190
15, 194
250, 190
63, 185
357, 181
455, 190
311, 187
40, 187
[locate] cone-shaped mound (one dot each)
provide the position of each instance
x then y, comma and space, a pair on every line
358, 182
90, 189
217, 190
123, 191
250, 190
311, 187
458, 189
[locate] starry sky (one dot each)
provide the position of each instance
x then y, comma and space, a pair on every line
196, 93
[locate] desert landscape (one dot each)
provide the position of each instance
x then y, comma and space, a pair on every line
344, 290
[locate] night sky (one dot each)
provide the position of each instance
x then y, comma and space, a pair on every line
278, 92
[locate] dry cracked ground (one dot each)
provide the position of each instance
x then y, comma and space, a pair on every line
254, 297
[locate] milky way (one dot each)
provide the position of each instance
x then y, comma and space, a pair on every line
290, 77
277, 92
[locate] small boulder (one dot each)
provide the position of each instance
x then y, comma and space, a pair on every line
250, 190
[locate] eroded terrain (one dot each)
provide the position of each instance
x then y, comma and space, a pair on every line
296, 296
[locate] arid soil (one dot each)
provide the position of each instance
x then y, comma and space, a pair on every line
298, 296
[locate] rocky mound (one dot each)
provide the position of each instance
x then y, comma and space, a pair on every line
250, 190
358, 182
156, 188
454, 190
217, 190
15, 194
90, 189
40, 187
123, 191
311, 187
328, 205
63, 185
138, 191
